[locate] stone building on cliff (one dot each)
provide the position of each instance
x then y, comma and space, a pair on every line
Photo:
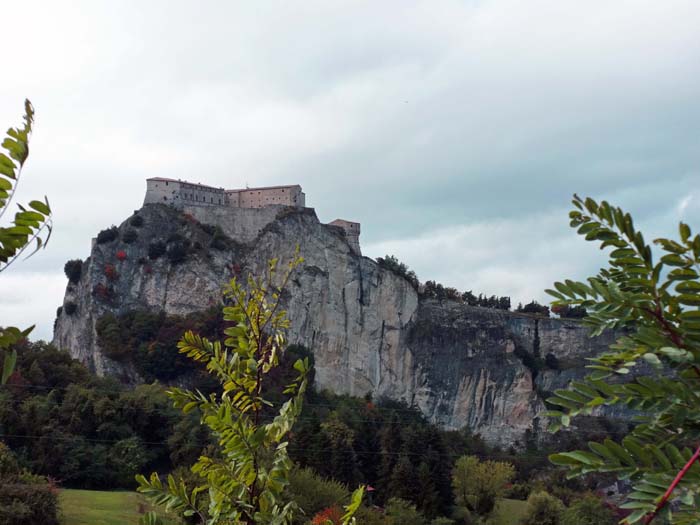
181, 194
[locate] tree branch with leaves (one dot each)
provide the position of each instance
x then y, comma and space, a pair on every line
653, 305
246, 478
31, 226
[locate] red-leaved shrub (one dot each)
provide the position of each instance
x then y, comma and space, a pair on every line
110, 272
121, 255
329, 514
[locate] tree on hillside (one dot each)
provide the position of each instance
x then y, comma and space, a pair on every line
30, 227
653, 305
245, 479
477, 484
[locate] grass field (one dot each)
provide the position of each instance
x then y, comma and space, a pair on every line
509, 511
93, 507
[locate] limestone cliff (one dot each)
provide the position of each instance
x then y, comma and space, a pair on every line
368, 328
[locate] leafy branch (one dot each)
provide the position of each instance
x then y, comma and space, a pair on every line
654, 305
245, 479
32, 225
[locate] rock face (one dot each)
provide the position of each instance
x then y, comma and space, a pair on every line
368, 328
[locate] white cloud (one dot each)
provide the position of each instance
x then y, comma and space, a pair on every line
450, 125
30, 298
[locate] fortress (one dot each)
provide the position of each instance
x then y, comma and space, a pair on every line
183, 194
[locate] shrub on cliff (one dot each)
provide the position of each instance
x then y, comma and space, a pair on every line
130, 235
156, 249
136, 221
533, 307
391, 263
70, 308
177, 252
73, 270
108, 235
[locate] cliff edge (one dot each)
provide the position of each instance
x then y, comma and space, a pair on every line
368, 328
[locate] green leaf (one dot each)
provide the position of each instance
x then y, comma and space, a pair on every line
40, 207
8, 366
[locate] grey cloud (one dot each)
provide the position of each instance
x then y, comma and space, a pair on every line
419, 119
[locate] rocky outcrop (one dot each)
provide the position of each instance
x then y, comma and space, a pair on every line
368, 328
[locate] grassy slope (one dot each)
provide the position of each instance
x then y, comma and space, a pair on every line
509, 511
93, 507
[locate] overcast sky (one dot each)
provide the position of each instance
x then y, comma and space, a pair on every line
455, 132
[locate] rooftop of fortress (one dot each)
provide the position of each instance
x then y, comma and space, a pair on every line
181, 193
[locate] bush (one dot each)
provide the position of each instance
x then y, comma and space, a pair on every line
177, 252
111, 272
136, 221
130, 236
105, 293
589, 510
401, 512
313, 493
28, 503
73, 270
108, 235
391, 263
25, 499
518, 491
70, 308
156, 249
534, 307
543, 509
330, 516
121, 255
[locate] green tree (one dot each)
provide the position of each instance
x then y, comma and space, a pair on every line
246, 477
401, 512
477, 484
27, 228
542, 509
653, 305
589, 510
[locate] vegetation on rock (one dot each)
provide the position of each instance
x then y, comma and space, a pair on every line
109, 235
73, 270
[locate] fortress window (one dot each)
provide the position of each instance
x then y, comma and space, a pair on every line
212, 199
166, 182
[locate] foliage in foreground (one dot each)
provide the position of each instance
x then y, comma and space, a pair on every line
654, 306
246, 477
29, 223
477, 484
25, 499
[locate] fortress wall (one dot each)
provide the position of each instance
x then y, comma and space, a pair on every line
239, 223
199, 194
261, 197
162, 192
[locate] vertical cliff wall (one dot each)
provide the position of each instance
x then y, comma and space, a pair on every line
368, 328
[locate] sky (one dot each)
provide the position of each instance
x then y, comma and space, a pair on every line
455, 132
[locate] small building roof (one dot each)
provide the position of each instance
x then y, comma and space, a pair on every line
238, 190
164, 179
338, 222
